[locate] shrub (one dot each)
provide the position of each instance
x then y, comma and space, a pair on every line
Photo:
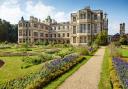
45, 57
51, 51
84, 51
65, 52
4, 46
26, 65
36, 60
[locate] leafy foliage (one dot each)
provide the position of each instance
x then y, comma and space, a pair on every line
101, 38
123, 40
8, 32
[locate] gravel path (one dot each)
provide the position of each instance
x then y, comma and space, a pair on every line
88, 76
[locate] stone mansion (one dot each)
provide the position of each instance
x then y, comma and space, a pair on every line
80, 30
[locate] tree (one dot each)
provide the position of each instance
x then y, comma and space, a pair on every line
8, 32
101, 38
123, 40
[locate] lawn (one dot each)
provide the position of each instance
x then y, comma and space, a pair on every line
124, 52
105, 72
12, 68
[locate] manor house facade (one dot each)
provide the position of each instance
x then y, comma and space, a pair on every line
84, 25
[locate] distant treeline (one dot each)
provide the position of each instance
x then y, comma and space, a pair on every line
8, 32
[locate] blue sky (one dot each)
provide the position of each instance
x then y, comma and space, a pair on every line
12, 10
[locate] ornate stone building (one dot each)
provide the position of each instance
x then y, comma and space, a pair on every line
81, 30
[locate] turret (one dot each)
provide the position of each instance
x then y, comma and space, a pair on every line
22, 18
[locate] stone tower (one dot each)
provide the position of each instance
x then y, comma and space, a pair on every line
122, 28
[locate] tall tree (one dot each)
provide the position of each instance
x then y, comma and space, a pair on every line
8, 32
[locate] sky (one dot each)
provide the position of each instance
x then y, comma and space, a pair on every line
60, 10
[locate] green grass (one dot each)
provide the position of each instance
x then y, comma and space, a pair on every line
105, 72
12, 68
54, 84
124, 52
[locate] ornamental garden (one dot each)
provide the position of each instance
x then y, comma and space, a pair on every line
34, 66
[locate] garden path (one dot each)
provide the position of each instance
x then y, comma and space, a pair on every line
88, 76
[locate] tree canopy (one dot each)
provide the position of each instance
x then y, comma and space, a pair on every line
8, 32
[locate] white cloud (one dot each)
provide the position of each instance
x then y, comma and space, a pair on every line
113, 27
62, 16
39, 10
11, 11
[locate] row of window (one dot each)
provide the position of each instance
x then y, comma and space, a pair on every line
85, 16
34, 25
81, 39
52, 35
60, 27
24, 40
24, 32
28, 33
85, 28
35, 40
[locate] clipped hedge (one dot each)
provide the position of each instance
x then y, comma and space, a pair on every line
49, 71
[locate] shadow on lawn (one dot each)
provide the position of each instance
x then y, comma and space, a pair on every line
1, 63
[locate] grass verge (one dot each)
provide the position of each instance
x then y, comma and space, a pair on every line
54, 84
105, 72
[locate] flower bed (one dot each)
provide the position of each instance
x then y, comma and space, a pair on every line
8, 54
49, 71
122, 70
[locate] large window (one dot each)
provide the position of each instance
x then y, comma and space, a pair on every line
54, 35
74, 29
95, 28
35, 33
89, 15
24, 33
63, 34
74, 39
67, 34
46, 35
95, 17
74, 19
58, 27
29, 32
58, 35
83, 16
20, 25
20, 40
51, 35
82, 28
20, 32
35, 25
41, 34
46, 27
89, 28
82, 39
